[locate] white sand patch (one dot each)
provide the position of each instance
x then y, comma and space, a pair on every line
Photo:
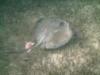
95, 43
55, 60
77, 58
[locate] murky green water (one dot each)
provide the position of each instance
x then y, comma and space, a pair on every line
79, 57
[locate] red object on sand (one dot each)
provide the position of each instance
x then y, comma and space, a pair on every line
29, 45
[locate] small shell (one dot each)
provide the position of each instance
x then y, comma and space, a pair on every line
29, 45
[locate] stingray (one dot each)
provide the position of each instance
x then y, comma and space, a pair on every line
50, 33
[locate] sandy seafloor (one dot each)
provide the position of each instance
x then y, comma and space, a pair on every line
81, 56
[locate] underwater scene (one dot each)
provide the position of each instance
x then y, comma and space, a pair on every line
49, 37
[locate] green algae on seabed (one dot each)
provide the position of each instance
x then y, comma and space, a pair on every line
79, 57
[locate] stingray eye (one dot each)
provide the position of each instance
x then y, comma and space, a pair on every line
61, 24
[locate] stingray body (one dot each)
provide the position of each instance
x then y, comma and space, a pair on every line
51, 33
